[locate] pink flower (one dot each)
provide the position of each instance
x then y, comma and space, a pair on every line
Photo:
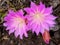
15, 22
40, 18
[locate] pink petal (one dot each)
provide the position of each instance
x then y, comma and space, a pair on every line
48, 10
33, 6
11, 31
45, 26
41, 7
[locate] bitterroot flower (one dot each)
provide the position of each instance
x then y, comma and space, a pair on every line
15, 23
40, 18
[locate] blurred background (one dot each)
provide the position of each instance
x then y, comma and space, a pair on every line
6, 39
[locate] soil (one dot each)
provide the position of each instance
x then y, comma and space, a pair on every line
33, 39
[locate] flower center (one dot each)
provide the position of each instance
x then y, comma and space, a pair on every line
19, 21
39, 17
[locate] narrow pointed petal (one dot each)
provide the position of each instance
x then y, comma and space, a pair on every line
48, 10
33, 5
11, 31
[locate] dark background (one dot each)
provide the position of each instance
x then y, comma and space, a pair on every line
6, 39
